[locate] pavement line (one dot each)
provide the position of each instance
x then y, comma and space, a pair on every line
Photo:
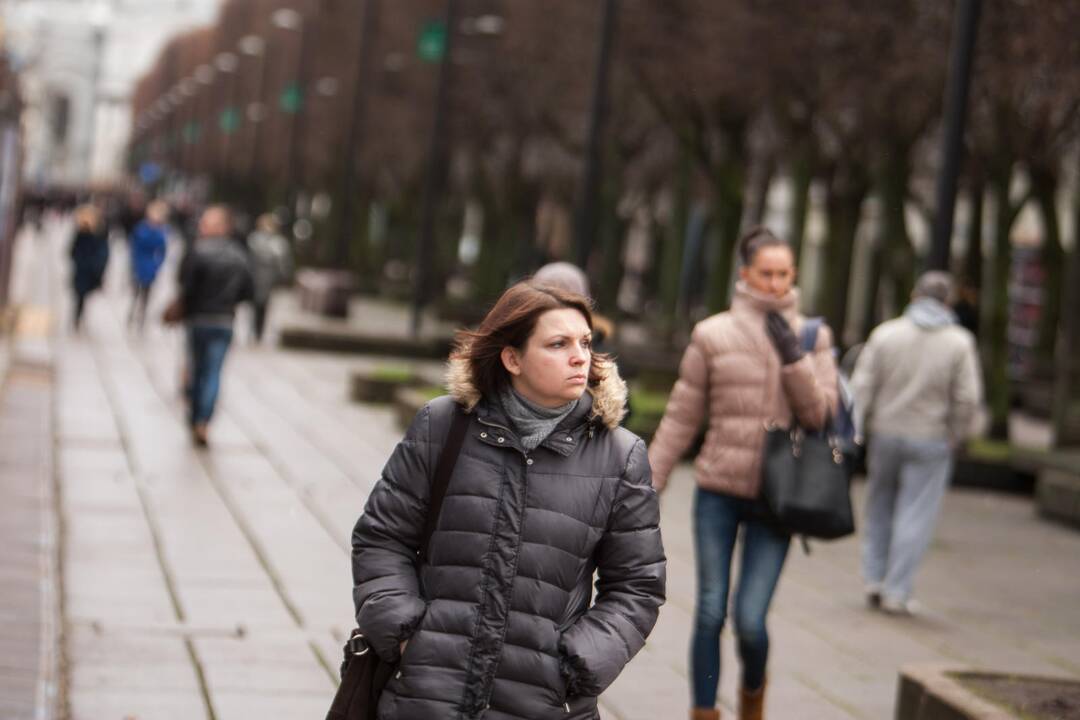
246, 530
155, 530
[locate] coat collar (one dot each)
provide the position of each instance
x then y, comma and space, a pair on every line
604, 403
749, 302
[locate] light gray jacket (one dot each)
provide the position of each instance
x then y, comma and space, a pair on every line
918, 377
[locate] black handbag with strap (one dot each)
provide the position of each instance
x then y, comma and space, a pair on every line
364, 674
806, 481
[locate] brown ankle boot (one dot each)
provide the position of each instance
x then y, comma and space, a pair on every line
704, 714
752, 704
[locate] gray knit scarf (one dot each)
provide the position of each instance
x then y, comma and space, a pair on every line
533, 422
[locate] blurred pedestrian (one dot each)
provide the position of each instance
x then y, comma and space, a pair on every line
148, 246
743, 371
917, 388
214, 278
570, 277
89, 255
498, 619
966, 308
271, 263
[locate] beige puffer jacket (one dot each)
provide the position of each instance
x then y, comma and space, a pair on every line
731, 371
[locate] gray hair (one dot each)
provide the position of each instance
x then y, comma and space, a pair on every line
564, 275
934, 284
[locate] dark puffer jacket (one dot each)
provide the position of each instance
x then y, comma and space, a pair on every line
500, 619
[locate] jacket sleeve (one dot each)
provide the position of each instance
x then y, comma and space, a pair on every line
684, 413
810, 384
864, 385
966, 392
385, 541
630, 587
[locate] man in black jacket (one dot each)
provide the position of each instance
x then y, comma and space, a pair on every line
214, 278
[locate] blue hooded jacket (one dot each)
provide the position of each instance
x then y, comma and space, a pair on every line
147, 251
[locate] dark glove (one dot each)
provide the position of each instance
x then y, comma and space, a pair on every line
786, 342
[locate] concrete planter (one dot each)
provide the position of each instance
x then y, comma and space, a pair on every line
407, 402
372, 387
938, 692
1058, 495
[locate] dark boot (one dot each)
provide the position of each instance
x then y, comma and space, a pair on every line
704, 714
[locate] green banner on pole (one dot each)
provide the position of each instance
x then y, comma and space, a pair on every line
229, 120
431, 45
292, 98
192, 132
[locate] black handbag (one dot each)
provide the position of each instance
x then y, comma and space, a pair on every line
806, 483
364, 674
806, 479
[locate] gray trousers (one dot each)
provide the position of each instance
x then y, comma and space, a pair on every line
906, 484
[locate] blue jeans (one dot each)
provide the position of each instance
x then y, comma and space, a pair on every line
717, 518
207, 345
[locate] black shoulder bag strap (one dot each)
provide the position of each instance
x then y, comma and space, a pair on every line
363, 674
455, 438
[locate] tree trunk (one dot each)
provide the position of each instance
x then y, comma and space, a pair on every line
727, 213
612, 240
843, 207
1043, 189
1066, 415
672, 257
973, 261
896, 256
995, 310
801, 177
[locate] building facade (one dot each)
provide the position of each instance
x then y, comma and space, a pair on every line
79, 60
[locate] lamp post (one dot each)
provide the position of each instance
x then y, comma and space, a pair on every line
590, 182
254, 46
435, 174
188, 87
226, 63
292, 99
204, 76
965, 29
355, 139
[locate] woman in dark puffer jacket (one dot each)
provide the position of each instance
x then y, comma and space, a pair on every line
499, 622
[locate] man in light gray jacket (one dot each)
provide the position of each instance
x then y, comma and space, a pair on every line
917, 386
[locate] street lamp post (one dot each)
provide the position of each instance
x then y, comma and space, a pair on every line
590, 184
293, 100
226, 63
204, 75
435, 175
254, 46
355, 139
965, 29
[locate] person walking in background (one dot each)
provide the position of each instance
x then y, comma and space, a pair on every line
570, 277
214, 278
148, 246
499, 620
917, 388
271, 263
89, 255
743, 371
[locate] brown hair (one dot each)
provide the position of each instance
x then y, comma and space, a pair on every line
510, 323
754, 240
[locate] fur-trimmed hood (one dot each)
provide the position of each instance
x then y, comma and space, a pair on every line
608, 395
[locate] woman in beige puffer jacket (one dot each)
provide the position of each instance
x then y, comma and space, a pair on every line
743, 370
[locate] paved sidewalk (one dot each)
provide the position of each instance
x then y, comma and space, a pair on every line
29, 603
216, 584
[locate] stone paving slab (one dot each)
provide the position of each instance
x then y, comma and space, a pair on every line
29, 658
231, 565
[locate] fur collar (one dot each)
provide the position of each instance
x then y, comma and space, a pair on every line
609, 395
